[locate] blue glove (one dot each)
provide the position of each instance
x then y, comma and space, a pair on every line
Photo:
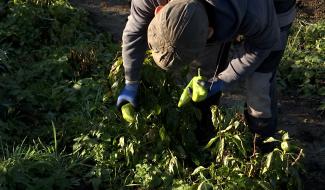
128, 95
213, 87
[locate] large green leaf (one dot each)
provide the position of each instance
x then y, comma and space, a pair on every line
268, 162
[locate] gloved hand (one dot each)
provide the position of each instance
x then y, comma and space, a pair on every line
128, 95
193, 91
199, 89
213, 87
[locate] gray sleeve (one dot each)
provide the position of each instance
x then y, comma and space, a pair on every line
134, 40
260, 37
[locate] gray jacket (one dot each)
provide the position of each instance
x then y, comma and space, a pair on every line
254, 19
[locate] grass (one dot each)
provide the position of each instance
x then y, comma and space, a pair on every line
60, 129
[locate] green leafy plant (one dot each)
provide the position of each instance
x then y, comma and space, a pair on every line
303, 64
238, 164
60, 129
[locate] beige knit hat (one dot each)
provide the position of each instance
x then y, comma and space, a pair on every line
178, 33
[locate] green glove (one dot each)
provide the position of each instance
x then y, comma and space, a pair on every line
194, 90
128, 112
186, 95
200, 93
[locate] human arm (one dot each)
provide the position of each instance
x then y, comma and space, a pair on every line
261, 33
134, 46
135, 37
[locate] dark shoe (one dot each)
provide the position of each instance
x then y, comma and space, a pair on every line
204, 134
263, 128
264, 147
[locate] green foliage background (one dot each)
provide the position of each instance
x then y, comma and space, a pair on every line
59, 128
303, 67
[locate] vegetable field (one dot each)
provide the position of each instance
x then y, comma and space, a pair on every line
60, 75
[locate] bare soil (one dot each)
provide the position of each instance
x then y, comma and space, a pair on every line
107, 15
311, 9
297, 115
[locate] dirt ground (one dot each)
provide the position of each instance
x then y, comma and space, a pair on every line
296, 114
107, 15
311, 9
